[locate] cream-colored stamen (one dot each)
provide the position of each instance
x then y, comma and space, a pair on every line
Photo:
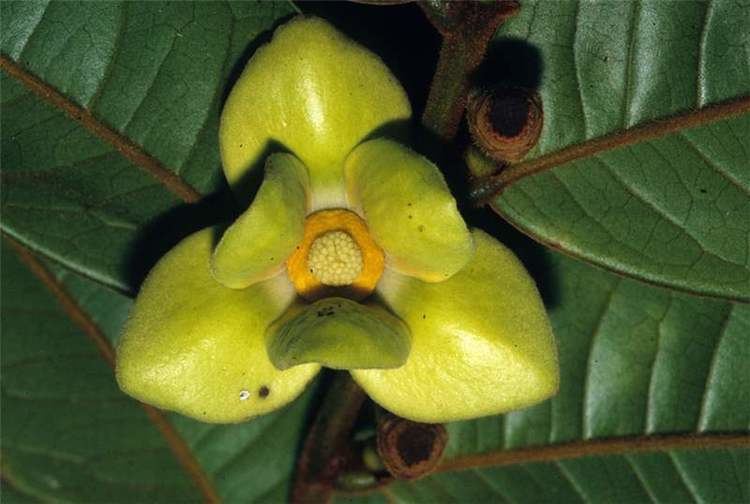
368, 260
335, 259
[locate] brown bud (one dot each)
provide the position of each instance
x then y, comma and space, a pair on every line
409, 449
506, 122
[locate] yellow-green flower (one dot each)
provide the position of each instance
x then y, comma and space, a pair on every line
352, 255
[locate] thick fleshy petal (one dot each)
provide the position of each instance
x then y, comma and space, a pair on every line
315, 92
409, 210
481, 342
339, 333
196, 347
255, 247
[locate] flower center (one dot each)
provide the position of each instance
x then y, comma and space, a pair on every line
335, 258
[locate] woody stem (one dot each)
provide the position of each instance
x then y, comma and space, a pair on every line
320, 461
467, 29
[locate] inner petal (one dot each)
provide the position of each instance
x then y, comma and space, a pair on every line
409, 210
335, 258
338, 333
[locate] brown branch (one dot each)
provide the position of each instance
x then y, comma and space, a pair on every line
467, 28
609, 446
132, 152
488, 187
323, 454
68, 303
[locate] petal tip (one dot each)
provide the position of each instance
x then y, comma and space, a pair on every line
313, 91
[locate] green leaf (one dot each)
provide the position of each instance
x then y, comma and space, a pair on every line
636, 362
144, 79
675, 476
69, 433
670, 202
51, 201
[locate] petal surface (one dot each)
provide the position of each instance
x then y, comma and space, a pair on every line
481, 342
341, 334
196, 347
256, 245
315, 92
409, 210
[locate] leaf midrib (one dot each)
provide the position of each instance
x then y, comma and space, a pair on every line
581, 256
127, 148
491, 186
598, 447
176, 443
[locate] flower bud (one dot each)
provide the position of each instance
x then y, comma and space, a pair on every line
409, 449
505, 122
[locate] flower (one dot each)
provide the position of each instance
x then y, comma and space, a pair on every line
352, 255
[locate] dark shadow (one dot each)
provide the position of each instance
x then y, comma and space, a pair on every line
534, 256
164, 232
239, 65
318, 388
399, 34
510, 62
247, 187
400, 131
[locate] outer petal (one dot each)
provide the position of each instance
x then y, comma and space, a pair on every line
193, 346
481, 342
339, 333
261, 239
409, 210
315, 92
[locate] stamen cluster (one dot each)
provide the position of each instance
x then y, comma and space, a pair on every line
335, 259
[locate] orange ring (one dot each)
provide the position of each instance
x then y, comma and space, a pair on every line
320, 223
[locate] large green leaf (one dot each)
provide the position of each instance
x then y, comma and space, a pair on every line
673, 210
69, 433
154, 73
635, 361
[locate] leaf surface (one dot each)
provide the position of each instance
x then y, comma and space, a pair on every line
144, 79
672, 210
68, 431
674, 476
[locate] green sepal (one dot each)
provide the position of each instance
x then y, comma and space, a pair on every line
339, 333
264, 236
409, 210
